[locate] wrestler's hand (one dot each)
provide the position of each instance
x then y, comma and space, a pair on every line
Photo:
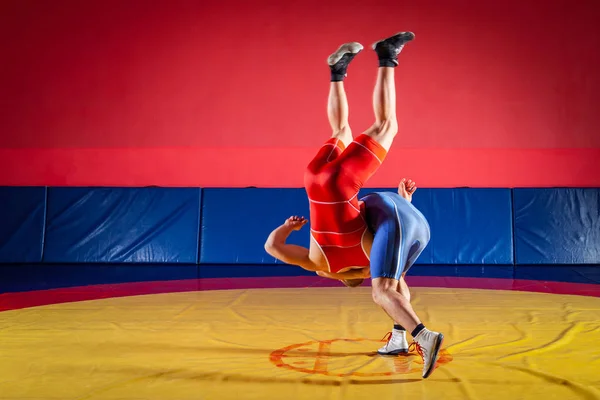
406, 189
295, 223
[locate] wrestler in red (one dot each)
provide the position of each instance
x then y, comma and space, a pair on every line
341, 242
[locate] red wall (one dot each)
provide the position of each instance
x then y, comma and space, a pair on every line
233, 93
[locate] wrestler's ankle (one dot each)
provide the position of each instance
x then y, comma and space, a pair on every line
417, 330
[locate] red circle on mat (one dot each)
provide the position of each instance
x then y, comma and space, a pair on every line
313, 358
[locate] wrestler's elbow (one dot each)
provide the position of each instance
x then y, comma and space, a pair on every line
270, 248
273, 250
271, 242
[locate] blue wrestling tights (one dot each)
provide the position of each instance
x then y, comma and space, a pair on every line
401, 234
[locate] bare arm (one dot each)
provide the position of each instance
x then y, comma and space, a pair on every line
289, 253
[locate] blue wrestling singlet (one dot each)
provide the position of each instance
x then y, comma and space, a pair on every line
401, 234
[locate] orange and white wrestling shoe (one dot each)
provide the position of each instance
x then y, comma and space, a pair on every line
428, 344
396, 343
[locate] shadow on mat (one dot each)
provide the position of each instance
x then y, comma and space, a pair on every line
124, 348
205, 357
396, 371
133, 347
133, 374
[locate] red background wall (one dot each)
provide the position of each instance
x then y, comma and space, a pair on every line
233, 93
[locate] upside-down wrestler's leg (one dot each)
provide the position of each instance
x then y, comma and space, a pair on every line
366, 153
385, 127
337, 107
337, 104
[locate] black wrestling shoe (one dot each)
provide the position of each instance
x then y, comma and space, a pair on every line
388, 49
339, 61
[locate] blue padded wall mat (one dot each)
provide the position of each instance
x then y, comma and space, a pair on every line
565, 273
22, 278
122, 225
557, 226
237, 221
469, 226
22, 219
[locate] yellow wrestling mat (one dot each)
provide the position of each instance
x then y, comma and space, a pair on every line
309, 343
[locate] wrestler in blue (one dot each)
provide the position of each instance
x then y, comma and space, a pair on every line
401, 233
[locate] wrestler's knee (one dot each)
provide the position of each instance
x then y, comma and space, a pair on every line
344, 134
383, 132
382, 289
403, 288
384, 128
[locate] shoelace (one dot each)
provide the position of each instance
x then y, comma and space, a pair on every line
416, 346
387, 337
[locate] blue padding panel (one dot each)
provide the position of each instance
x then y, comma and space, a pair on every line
468, 226
22, 218
237, 222
22, 278
464, 271
557, 226
122, 225
565, 273
250, 271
